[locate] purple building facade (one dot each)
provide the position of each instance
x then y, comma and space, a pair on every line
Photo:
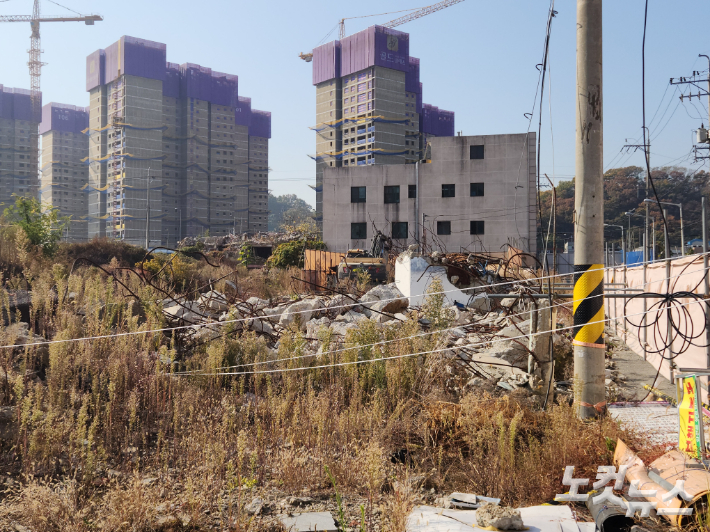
369, 107
18, 168
177, 138
63, 174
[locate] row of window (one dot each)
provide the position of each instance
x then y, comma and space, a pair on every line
359, 194
400, 230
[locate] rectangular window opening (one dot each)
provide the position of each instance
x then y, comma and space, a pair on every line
477, 189
412, 191
392, 194
477, 152
400, 230
358, 194
448, 191
478, 227
443, 228
358, 231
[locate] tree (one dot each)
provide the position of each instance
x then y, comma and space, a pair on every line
287, 209
42, 224
624, 191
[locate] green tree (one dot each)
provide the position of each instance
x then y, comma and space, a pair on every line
288, 209
42, 224
624, 191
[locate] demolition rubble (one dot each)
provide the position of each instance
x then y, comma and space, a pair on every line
503, 344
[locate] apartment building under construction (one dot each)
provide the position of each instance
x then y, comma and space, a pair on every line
172, 149
18, 165
63, 172
369, 107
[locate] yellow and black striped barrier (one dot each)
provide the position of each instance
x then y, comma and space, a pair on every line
588, 305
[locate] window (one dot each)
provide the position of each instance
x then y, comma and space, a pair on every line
358, 194
477, 189
400, 230
448, 191
443, 228
358, 231
361, 87
361, 97
412, 191
392, 194
361, 76
477, 152
361, 108
478, 227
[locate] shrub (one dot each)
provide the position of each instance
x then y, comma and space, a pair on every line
42, 224
290, 254
101, 251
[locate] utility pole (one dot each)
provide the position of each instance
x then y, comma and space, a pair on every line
694, 81
588, 305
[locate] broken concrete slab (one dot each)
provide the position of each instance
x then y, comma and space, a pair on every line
500, 517
535, 518
309, 522
302, 310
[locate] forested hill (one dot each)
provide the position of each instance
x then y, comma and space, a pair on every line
624, 191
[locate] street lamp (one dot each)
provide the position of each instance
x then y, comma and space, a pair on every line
623, 247
680, 206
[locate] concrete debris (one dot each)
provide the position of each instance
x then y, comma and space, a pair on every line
309, 522
255, 507
500, 517
539, 518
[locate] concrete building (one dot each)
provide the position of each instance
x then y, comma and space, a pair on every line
476, 194
369, 106
63, 174
18, 165
171, 144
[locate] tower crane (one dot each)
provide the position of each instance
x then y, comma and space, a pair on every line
419, 13
35, 62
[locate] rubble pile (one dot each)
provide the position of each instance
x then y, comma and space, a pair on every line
233, 242
491, 347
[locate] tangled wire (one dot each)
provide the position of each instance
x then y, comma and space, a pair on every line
677, 331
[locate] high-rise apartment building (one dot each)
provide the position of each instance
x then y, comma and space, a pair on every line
63, 172
18, 165
369, 103
171, 148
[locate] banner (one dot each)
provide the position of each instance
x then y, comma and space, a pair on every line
689, 435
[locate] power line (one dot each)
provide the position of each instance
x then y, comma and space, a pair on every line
407, 355
239, 320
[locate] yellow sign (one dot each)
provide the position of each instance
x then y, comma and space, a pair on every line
689, 414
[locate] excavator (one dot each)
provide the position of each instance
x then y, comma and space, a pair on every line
373, 261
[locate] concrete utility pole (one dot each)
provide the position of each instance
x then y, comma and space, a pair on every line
588, 302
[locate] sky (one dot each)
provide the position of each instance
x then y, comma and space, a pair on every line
478, 59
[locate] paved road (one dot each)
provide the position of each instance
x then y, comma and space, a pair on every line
634, 372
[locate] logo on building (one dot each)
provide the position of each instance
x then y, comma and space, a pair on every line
393, 43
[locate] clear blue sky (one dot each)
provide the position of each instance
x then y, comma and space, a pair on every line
478, 59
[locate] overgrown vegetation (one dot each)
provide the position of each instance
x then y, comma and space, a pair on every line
35, 224
290, 254
112, 434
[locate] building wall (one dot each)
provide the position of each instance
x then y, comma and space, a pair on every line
18, 168
368, 77
170, 132
258, 184
507, 207
98, 149
63, 179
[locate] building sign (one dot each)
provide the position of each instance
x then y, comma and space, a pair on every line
690, 435
393, 43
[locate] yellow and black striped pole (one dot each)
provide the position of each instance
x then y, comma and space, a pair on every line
588, 305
